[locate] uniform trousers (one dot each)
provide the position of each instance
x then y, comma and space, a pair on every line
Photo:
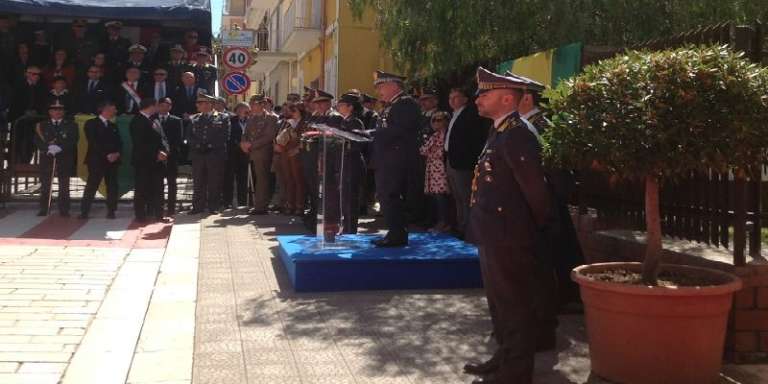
171, 176
148, 191
391, 189
236, 177
97, 172
510, 285
261, 167
207, 175
63, 173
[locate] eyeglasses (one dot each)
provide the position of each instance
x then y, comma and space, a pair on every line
33, 73
161, 74
94, 71
438, 119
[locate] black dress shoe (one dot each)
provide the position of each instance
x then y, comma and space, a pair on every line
82, 216
257, 212
64, 214
389, 242
490, 366
487, 380
42, 213
213, 212
194, 211
110, 215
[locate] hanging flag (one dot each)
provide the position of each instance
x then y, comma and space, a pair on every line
547, 67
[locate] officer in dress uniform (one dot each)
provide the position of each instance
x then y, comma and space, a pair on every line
395, 152
115, 46
260, 132
511, 208
322, 114
566, 247
205, 73
350, 108
56, 138
208, 141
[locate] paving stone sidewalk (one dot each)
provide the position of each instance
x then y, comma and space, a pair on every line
251, 327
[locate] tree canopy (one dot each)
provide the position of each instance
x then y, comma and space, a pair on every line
438, 37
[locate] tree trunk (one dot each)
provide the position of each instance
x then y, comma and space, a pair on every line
653, 231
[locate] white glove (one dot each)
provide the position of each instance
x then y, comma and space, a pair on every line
53, 149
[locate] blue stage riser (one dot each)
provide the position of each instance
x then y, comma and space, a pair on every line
430, 261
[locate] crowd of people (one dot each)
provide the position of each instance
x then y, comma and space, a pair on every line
474, 171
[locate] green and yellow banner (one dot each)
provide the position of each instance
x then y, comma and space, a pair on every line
125, 171
547, 67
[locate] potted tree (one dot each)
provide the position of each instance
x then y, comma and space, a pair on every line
657, 116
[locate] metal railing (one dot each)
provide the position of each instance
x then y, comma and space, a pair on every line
301, 14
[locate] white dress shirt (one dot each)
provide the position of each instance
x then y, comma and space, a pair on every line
455, 116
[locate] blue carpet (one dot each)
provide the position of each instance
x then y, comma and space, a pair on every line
430, 261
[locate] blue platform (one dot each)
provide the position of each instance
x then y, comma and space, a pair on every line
430, 261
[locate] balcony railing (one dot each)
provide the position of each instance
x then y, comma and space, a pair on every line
301, 15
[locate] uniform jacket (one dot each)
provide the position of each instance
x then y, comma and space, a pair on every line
65, 136
147, 142
102, 140
468, 135
206, 76
208, 133
511, 202
260, 132
396, 134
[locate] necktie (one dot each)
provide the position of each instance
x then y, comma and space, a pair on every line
162, 91
189, 92
91, 85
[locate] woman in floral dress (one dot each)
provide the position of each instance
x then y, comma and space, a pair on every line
436, 180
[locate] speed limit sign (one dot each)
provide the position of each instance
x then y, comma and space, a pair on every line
237, 58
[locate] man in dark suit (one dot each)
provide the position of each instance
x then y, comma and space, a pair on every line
237, 160
102, 158
511, 211
150, 152
185, 97
466, 135
92, 91
27, 107
394, 151
159, 88
174, 134
129, 95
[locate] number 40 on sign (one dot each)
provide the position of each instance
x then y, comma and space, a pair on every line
237, 58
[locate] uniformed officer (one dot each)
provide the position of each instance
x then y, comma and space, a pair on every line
115, 46
350, 108
56, 139
566, 247
205, 73
260, 132
395, 152
322, 114
511, 209
208, 141
177, 65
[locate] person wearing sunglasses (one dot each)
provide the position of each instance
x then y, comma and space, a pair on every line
435, 178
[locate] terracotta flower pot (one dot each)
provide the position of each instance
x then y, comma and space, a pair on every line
656, 335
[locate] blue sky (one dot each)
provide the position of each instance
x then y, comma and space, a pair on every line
216, 7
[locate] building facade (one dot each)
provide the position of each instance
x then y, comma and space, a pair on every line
313, 43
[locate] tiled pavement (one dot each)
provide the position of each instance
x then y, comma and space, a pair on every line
156, 315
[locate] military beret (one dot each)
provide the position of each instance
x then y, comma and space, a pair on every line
349, 98
322, 96
56, 105
487, 81
380, 77
137, 48
113, 24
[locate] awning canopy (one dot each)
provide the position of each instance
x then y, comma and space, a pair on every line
117, 9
